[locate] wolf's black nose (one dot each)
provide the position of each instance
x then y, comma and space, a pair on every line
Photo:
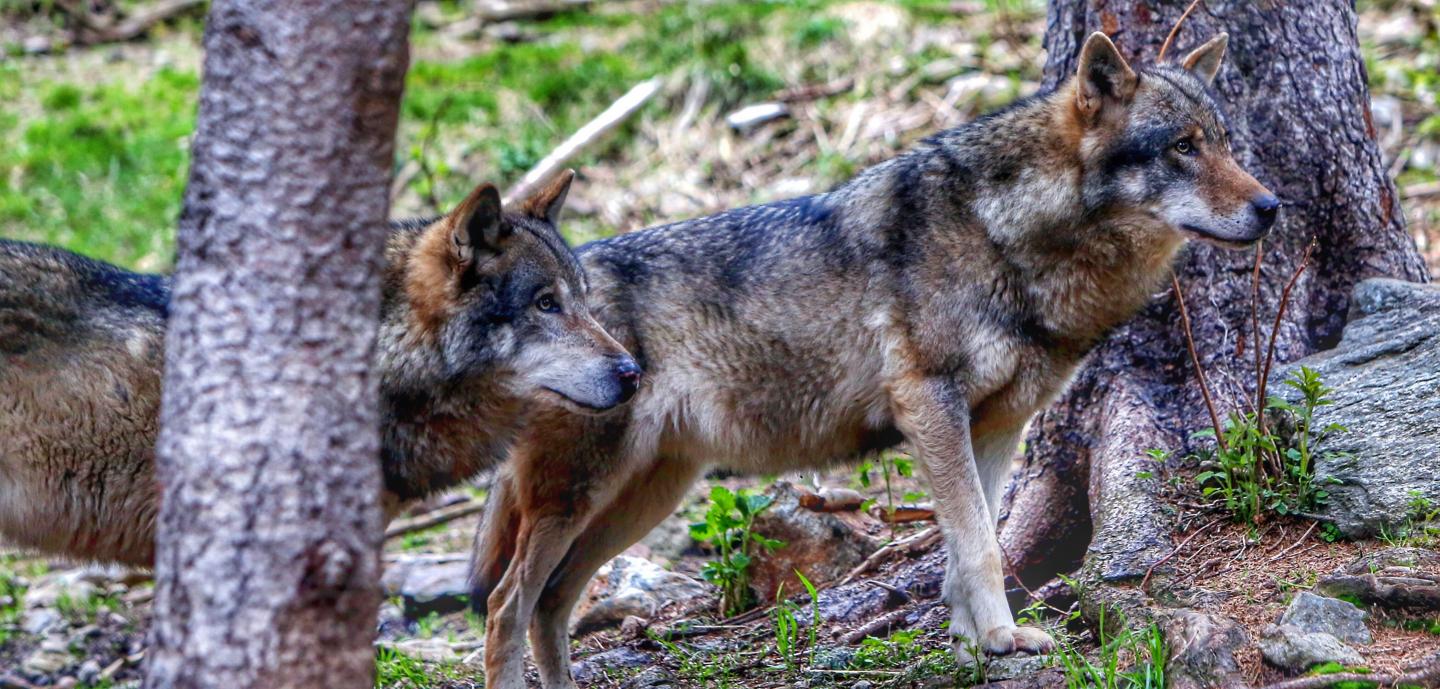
628, 373
1267, 207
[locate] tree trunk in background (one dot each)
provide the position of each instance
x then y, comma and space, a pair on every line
1294, 87
269, 536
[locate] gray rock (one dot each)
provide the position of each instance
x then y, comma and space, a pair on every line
1385, 373
1015, 666
834, 658
52, 657
1293, 649
440, 589
89, 671
37, 621
603, 664
629, 586
1338, 618
653, 677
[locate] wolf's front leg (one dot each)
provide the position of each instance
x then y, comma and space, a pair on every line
934, 414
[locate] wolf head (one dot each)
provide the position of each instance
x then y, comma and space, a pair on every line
1155, 139
499, 295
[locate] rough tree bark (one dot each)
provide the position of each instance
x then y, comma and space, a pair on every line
269, 535
1294, 87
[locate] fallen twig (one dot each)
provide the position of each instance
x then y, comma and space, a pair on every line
922, 539
879, 625
443, 515
1296, 544
1146, 581
587, 135
508, 10
1422, 190
1426, 676
94, 31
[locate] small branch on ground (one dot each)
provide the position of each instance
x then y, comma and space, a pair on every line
509, 10
1426, 676
593, 131
920, 541
1146, 581
441, 516
94, 30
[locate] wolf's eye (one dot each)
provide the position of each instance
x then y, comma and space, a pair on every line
547, 303
1184, 147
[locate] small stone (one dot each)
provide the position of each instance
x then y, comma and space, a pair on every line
37, 621
1011, 667
862, 684
89, 671
1338, 618
66, 683
600, 664
629, 586
1291, 648
47, 660
837, 658
440, 589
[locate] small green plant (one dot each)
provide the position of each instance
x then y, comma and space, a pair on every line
86, 608
787, 625
905, 652
698, 668
728, 528
887, 465
1126, 660
1421, 528
1254, 470
12, 603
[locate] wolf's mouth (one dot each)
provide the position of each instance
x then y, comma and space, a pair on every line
575, 404
1213, 238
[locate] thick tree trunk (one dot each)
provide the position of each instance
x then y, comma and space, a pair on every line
269, 535
1294, 86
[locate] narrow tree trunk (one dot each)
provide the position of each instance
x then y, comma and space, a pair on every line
269, 535
1294, 86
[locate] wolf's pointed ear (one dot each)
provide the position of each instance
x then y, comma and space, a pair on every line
1204, 62
547, 203
1103, 75
476, 225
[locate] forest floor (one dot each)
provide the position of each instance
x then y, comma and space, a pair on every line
96, 156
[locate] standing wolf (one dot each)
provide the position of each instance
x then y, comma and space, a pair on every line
482, 311
940, 299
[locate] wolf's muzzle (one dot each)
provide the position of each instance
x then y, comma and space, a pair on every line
628, 375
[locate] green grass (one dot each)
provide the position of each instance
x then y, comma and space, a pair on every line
99, 168
395, 670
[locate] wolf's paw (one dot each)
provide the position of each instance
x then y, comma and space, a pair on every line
1003, 641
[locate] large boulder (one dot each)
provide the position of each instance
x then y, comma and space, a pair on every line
1385, 373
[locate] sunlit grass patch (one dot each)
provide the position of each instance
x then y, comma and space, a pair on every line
101, 168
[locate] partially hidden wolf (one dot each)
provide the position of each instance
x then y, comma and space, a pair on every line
483, 312
938, 299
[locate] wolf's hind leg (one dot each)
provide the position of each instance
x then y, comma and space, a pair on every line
494, 539
650, 495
